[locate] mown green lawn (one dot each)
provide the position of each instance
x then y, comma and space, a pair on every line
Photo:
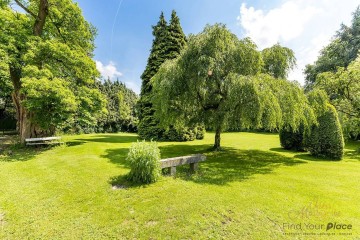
248, 191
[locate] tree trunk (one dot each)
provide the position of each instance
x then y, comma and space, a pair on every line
24, 126
217, 139
41, 17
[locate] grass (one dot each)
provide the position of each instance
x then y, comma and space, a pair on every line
248, 191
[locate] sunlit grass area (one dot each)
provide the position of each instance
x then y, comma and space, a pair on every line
250, 190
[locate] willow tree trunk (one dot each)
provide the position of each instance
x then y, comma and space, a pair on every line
217, 139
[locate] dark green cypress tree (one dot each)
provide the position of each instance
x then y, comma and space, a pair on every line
158, 54
168, 42
176, 36
148, 126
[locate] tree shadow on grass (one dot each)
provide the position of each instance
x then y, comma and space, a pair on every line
283, 150
304, 155
176, 150
18, 156
352, 150
234, 165
117, 156
309, 157
354, 155
110, 138
74, 143
220, 168
121, 182
19, 153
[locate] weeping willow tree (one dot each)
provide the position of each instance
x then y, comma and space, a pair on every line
216, 81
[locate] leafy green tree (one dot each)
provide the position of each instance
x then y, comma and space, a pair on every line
7, 115
295, 139
343, 89
51, 43
50, 103
342, 50
278, 61
215, 81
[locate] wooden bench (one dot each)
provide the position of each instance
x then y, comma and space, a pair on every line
172, 163
43, 141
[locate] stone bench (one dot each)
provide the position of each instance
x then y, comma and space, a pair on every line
172, 163
43, 141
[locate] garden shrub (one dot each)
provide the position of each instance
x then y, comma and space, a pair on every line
184, 134
326, 139
290, 139
144, 159
200, 132
179, 135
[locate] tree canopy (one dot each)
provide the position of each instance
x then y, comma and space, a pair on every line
343, 89
341, 51
216, 80
278, 61
49, 49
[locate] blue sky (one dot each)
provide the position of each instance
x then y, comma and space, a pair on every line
124, 27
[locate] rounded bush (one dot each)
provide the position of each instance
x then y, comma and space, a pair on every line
200, 132
326, 139
292, 140
184, 134
144, 159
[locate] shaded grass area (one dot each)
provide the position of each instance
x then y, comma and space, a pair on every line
247, 191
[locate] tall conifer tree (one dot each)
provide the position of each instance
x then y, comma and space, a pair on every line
176, 36
168, 41
148, 126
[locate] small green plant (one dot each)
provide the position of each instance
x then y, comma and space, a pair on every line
144, 159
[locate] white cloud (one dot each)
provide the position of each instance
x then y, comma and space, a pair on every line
283, 23
109, 70
306, 26
132, 85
